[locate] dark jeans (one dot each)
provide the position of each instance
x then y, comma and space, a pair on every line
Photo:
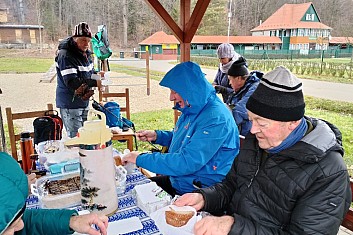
165, 184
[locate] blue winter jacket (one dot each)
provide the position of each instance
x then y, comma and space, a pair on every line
72, 64
205, 139
237, 101
222, 79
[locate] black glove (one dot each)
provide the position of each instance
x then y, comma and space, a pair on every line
220, 89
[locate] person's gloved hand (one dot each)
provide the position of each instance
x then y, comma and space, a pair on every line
84, 92
220, 89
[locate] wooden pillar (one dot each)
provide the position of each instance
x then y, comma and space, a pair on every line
184, 19
148, 72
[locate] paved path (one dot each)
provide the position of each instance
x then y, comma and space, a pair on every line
320, 89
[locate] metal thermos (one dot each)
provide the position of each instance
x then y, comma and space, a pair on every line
26, 145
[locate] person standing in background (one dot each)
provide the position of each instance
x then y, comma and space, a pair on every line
226, 56
75, 77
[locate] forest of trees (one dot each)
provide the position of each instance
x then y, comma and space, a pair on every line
131, 21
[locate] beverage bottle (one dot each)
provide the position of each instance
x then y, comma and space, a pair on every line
26, 145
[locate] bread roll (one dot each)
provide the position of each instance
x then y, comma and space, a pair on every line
178, 218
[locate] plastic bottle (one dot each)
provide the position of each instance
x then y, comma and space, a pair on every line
26, 145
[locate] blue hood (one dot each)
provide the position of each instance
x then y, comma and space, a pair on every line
190, 83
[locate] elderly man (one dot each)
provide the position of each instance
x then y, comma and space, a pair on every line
289, 177
74, 67
204, 142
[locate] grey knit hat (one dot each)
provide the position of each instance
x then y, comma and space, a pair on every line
82, 30
278, 97
225, 50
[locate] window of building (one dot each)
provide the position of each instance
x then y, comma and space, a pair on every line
306, 32
300, 32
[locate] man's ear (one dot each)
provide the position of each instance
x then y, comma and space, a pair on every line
294, 124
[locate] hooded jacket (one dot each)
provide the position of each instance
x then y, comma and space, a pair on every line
13, 194
304, 189
237, 102
205, 139
73, 68
222, 80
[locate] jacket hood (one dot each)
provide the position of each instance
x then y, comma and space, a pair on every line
190, 83
14, 189
322, 138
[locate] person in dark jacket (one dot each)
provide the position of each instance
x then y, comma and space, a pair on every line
75, 77
289, 177
204, 142
226, 56
16, 219
244, 84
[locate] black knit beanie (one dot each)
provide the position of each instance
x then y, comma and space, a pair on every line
238, 68
278, 97
82, 30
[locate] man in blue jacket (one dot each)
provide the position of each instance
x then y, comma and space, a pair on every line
16, 219
205, 139
74, 68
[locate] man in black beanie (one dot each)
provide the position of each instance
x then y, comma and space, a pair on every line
244, 84
289, 176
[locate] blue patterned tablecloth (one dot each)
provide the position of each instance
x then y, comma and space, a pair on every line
127, 206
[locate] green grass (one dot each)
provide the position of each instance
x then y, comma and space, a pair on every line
25, 65
154, 120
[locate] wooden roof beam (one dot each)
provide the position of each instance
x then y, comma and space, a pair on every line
166, 18
195, 19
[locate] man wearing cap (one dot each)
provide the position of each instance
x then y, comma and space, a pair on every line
226, 56
289, 176
244, 84
74, 67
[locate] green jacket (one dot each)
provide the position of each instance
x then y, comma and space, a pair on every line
13, 194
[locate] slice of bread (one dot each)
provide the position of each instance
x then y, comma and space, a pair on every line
178, 218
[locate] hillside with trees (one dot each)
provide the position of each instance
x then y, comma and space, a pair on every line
131, 21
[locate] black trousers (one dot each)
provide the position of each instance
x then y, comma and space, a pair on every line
164, 183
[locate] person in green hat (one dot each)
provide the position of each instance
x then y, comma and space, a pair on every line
16, 219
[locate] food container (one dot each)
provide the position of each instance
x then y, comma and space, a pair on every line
150, 197
58, 191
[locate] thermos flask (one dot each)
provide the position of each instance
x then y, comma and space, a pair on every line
97, 168
26, 145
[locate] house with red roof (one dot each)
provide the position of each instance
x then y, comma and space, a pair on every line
163, 46
293, 27
298, 26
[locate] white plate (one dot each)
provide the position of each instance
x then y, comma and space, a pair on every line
159, 218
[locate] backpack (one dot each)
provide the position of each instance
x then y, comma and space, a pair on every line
112, 113
111, 110
100, 44
48, 127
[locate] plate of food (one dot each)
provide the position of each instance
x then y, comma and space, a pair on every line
175, 220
